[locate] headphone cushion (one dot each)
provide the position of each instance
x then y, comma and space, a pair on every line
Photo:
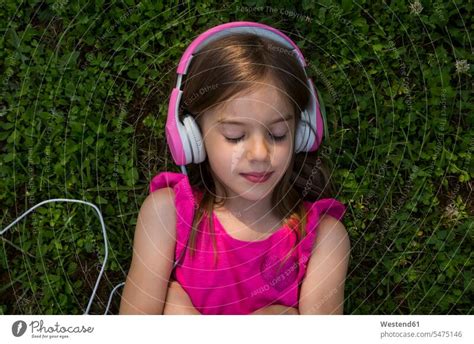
195, 139
300, 129
303, 133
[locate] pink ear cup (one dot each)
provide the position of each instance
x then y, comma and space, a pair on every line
185, 139
316, 118
173, 130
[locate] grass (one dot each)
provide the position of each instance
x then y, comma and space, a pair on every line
82, 113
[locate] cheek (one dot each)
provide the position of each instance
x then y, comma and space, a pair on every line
211, 142
284, 156
284, 153
219, 156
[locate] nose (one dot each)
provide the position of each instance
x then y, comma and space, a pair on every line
258, 149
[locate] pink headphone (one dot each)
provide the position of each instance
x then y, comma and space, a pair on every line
185, 140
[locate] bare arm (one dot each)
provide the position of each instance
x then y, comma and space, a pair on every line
322, 290
153, 253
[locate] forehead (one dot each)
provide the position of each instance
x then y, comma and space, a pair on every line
265, 104
252, 121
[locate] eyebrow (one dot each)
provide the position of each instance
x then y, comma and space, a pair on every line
224, 121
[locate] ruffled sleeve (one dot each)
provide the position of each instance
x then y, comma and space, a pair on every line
184, 202
316, 210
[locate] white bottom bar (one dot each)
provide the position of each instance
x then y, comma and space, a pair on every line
236, 329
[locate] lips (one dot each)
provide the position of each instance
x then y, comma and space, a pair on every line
257, 177
256, 174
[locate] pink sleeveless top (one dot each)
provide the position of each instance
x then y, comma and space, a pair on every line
247, 275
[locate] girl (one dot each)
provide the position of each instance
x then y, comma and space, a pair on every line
252, 228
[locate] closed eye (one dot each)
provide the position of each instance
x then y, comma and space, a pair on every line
275, 138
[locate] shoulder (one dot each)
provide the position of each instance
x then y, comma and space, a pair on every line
330, 226
158, 211
165, 196
332, 242
331, 231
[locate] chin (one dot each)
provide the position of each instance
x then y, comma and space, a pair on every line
254, 194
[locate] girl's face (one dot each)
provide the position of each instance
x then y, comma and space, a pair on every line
250, 133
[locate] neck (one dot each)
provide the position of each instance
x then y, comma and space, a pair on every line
248, 211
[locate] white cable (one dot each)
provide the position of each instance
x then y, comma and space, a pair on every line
112, 294
104, 234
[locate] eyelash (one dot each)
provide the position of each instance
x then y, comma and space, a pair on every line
275, 138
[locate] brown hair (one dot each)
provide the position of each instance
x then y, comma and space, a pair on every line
233, 65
